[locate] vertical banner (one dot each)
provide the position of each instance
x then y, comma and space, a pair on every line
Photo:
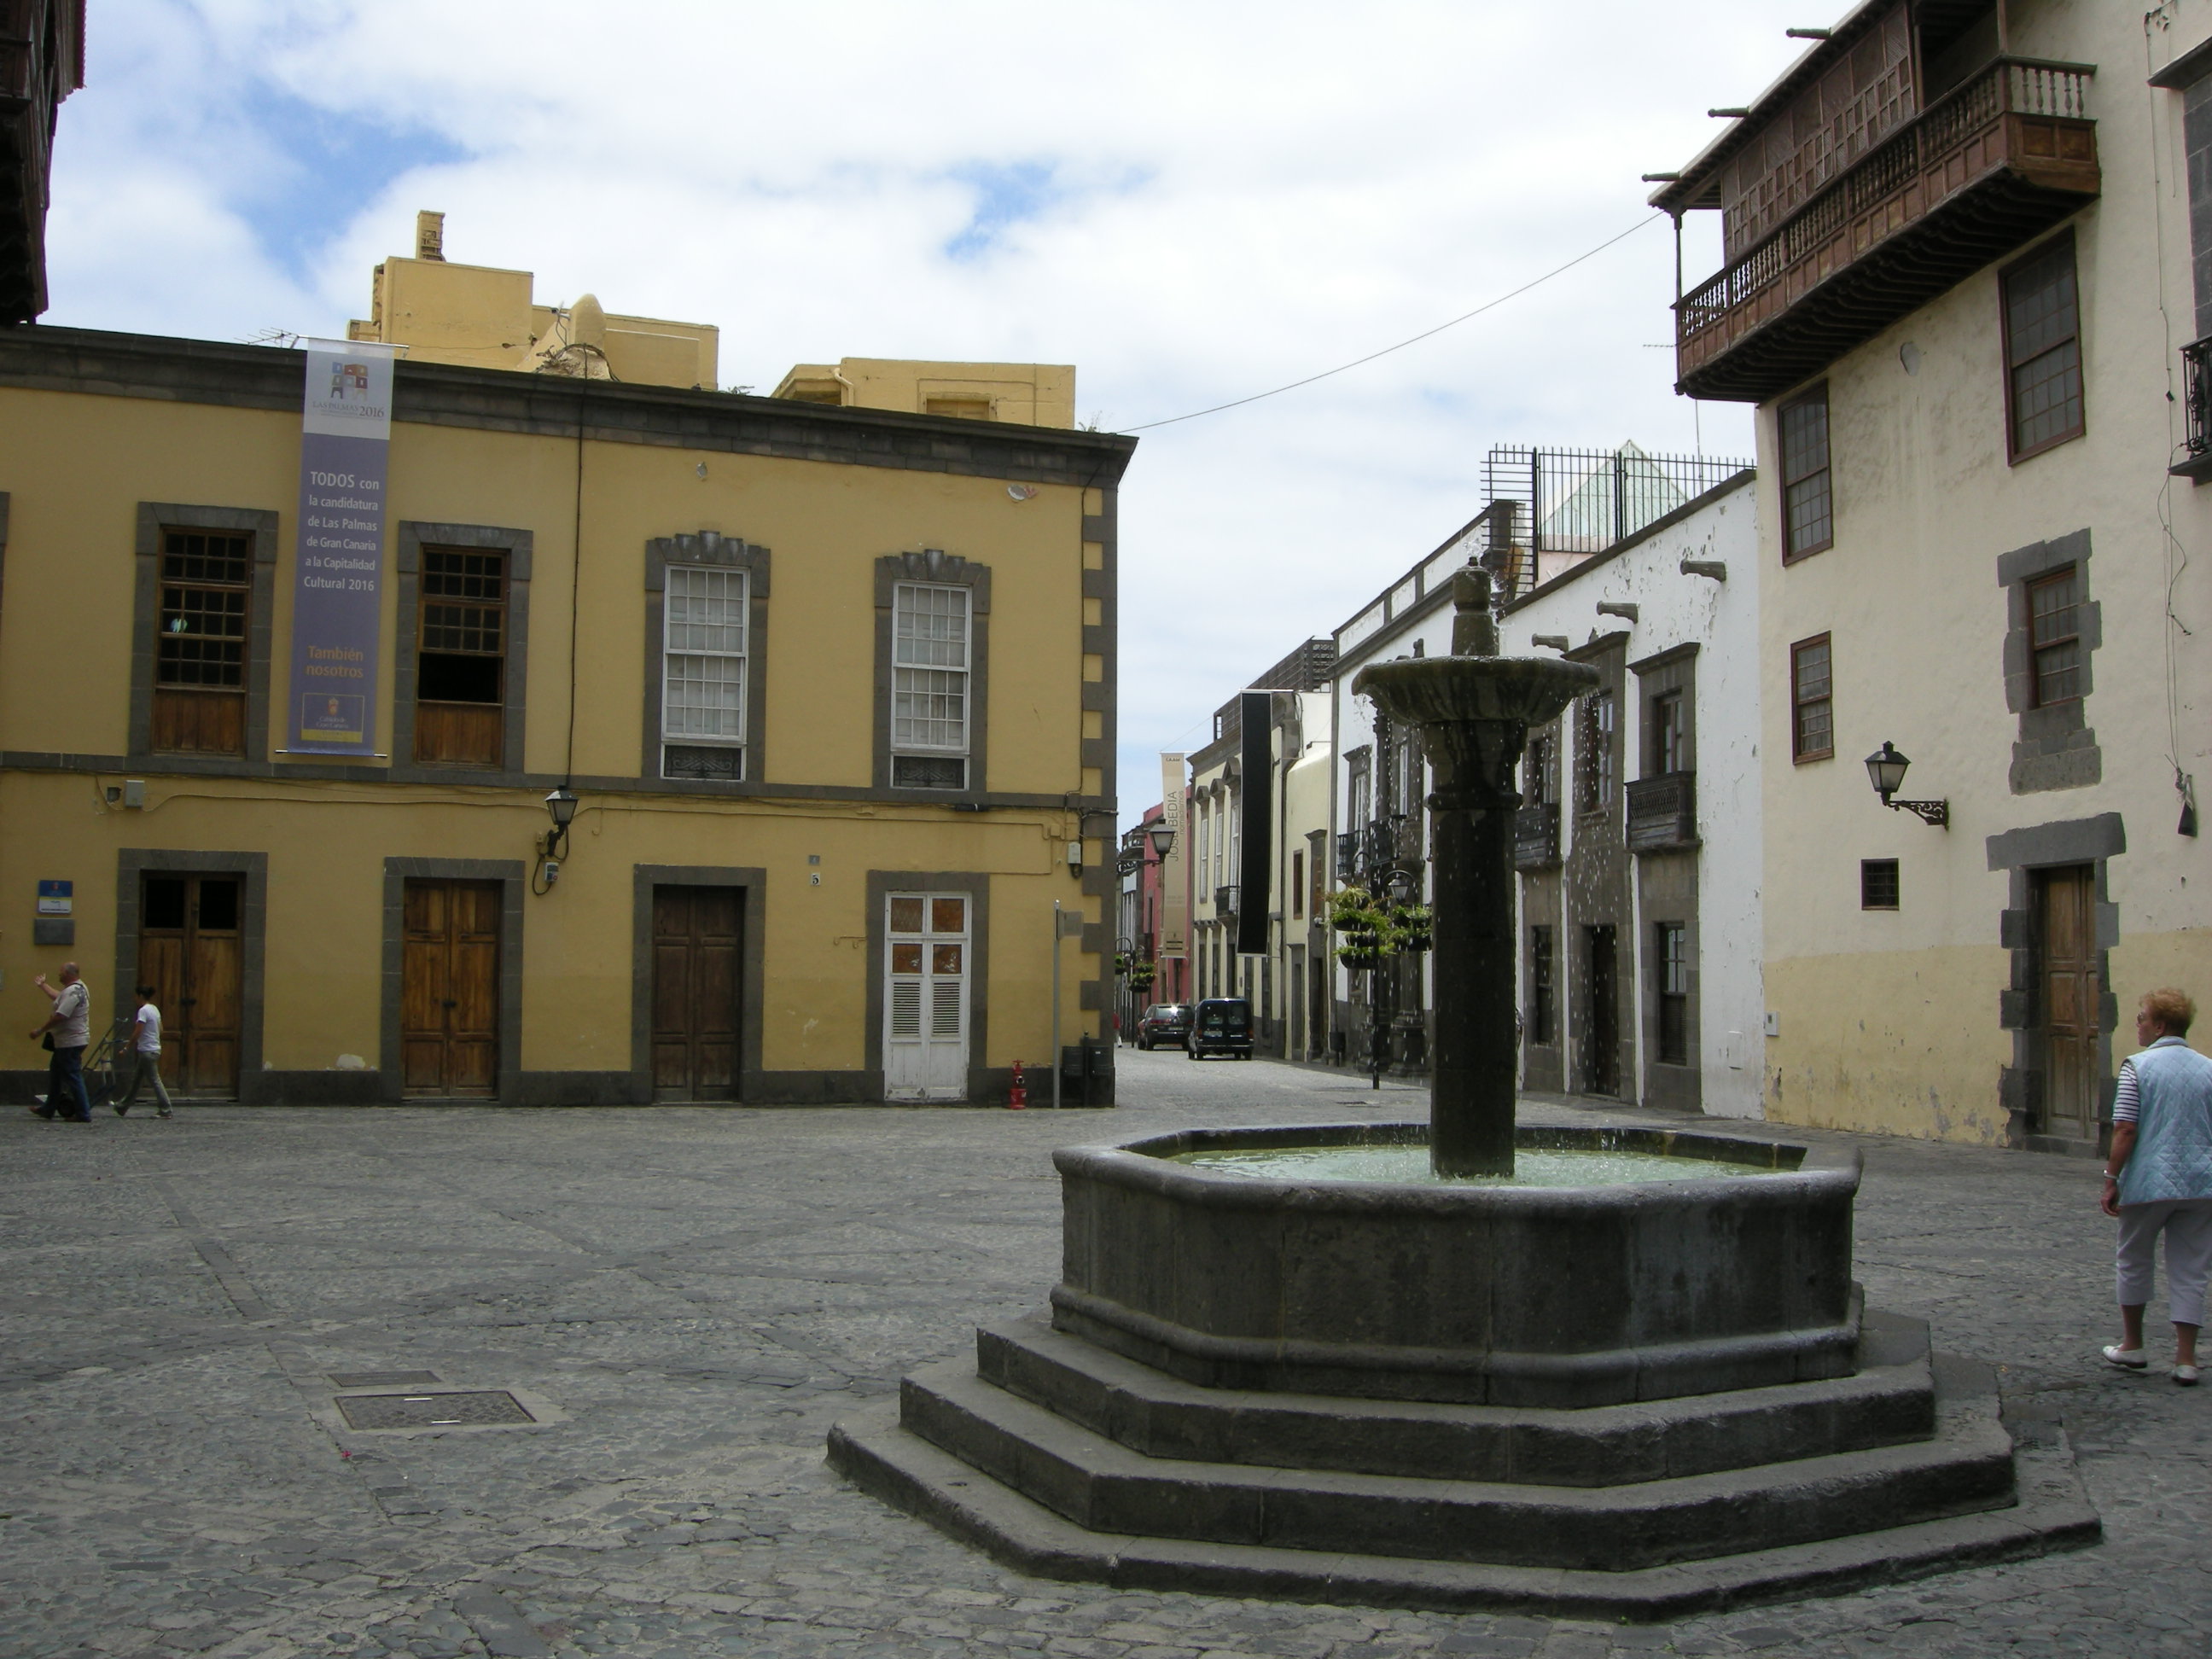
1175, 883
338, 580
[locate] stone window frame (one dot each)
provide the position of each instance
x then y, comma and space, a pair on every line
752, 1022
711, 548
513, 876
264, 527
132, 866
2054, 745
935, 567
984, 1084
2020, 854
411, 537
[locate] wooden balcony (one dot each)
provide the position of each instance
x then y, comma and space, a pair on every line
41, 62
1663, 813
1536, 836
1984, 170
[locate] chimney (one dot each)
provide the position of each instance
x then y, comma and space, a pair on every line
431, 236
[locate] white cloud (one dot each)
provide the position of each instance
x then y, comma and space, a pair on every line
1240, 195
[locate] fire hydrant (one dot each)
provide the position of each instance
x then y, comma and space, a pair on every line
1018, 1096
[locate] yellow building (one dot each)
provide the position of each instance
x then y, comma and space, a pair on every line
1029, 394
834, 687
482, 316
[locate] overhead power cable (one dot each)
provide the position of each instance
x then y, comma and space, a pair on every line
1490, 305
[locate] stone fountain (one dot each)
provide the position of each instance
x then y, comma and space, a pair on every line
1649, 1391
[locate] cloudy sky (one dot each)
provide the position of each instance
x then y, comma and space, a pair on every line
1191, 202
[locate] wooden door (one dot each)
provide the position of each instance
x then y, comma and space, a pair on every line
449, 988
1601, 1013
191, 951
925, 999
2067, 900
698, 956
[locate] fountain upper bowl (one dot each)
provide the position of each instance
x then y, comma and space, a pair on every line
1442, 690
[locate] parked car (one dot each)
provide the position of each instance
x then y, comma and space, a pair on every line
1220, 1025
1163, 1022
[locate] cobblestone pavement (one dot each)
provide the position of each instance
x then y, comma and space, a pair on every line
690, 1297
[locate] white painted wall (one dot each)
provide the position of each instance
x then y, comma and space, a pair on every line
1722, 619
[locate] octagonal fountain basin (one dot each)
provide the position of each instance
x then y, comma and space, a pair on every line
1326, 1259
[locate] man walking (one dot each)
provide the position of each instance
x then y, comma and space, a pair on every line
146, 1057
70, 1029
2158, 1180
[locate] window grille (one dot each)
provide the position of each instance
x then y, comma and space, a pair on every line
1878, 887
930, 667
205, 579
1596, 773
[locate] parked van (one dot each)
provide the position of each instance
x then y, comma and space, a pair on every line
1220, 1025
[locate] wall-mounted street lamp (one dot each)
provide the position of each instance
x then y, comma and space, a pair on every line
561, 806
1886, 769
1162, 836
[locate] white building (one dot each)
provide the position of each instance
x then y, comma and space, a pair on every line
1638, 842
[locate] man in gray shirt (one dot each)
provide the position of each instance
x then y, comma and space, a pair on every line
70, 1026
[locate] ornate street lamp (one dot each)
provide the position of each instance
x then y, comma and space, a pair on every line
1162, 834
561, 806
1886, 771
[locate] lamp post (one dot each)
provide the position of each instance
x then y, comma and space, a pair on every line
1162, 836
1886, 771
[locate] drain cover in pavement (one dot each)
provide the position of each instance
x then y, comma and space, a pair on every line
488, 1408
380, 1379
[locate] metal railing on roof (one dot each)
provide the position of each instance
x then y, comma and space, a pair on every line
1585, 501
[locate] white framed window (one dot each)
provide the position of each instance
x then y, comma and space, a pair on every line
703, 649
931, 661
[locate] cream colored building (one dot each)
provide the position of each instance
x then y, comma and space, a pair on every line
812, 861
1964, 246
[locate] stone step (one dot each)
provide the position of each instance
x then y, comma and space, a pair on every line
1104, 1486
1891, 1400
870, 1449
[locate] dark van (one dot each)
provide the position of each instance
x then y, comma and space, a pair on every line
1220, 1025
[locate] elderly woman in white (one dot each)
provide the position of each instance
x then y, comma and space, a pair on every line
2158, 1179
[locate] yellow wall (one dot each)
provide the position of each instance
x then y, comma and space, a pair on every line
74, 467
1029, 394
481, 317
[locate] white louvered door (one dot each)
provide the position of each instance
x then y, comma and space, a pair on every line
926, 996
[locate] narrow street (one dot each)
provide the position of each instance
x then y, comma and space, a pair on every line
688, 1297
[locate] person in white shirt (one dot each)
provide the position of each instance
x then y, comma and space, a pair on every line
69, 1028
146, 1057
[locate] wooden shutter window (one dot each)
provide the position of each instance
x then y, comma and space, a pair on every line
2054, 611
2043, 350
460, 686
201, 641
1811, 712
1807, 502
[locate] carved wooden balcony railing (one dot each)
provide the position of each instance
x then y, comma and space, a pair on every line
1536, 836
1980, 172
1663, 813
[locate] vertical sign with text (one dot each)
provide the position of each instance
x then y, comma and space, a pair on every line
1174, 882
337, 580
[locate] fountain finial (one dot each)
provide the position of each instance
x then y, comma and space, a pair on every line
1474, 631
